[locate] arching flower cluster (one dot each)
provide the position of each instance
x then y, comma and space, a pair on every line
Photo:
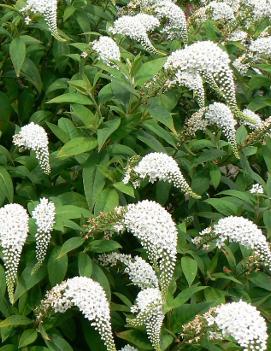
33, 137
136, 28
220, 115
238, 230
217, 11
261, 47
238, 320
13, 233
107, 49
46, 8
44, 215
254, 117
208, 60
89, 297
169, 14
153, 226
148, 307
159, 166
139, 271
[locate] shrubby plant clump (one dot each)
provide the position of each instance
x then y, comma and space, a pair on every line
135, 189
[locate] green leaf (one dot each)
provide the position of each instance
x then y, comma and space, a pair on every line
31, 72
28, 337
15, 321
85, 266
190, 268
148, 70
77, 146
57, 343
104, 133
17, 52
69, 245
183, 297
124, 188
6, 185
71, 98
57, 268
101, 246
261, 280
137, 338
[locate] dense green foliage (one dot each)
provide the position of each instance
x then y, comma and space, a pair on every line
97, 117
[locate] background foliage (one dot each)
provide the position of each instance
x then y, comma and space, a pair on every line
97, 119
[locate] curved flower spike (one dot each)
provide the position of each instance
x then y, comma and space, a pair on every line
44, 215
148, 306
139, 271
33, 137
238, 320
159, 166
209, 61
13, 233
89, 297
46, 8
136, 28
238, 230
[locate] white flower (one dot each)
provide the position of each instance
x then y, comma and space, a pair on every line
139, 271
159, 166
89, 297
243, 231
256, 189
136, 28
153, 226
13, 233
33, 137
148, 306
107, 49
176, 22
261, 47
128, 348
238, 35
254, 117
44, 215
209, 61
259, 8
244, 323
220, 11
219, 114
46, 8
192, 81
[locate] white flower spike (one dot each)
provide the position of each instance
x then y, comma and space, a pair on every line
13, 233
33, 137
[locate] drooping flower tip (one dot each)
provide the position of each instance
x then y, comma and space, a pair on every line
256, 189
33, 137
159, 166
89, 297
44, 215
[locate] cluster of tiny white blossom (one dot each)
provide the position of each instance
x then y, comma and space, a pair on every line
256, 189
153, 226
136, 28
139, 271
220, 11
257, 122
238, 35
239, 230
148, 306
176, 25
107, 49
258, 8
239, 321
209, 61
192, 81
221, 115
44, 215
89, 297
128, 348
13, 233
33, 137
261, 47
46, 8
159, 166
243, 322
